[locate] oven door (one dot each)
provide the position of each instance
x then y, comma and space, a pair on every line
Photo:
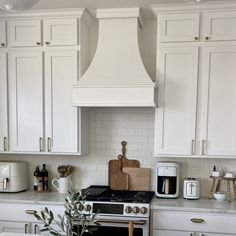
117, 226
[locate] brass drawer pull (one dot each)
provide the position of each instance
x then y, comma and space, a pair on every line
5, 145
197, 220
30, 212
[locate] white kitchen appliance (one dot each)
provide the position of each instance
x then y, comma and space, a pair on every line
191, 188
167, 179
13, 176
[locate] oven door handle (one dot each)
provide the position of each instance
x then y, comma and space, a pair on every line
136, 222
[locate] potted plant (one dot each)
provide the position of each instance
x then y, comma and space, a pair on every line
74, 222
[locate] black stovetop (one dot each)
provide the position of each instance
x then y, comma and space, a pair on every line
106, 194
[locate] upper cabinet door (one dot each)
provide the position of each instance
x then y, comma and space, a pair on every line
61, 117
26, 101
3, 34
24, 33
220, 26
3, 103
219, 101
60, 32
179, 27
176, 112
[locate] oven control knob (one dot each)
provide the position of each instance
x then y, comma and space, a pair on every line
87, 207
143, 210
81, 207
128, 209
135, 210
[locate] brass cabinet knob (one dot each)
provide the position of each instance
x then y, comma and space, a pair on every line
196, 38
47, 43
38, 43
207, 38
3, 44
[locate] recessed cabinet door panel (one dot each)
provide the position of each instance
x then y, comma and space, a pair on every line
2, 34
171, 233
220, 25
179, 27
3, 103
219, 101
14, 227
24, 33
26, 100
61, 117
60, 32
176, 112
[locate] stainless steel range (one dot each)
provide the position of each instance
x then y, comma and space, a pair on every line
119, 209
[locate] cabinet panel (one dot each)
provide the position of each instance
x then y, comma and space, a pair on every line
220, 25
24, 33
171, 233
60, 32
26, 100
176, 112
14, 227
219, 114
2, 34
61, 117
179, 27
3, 103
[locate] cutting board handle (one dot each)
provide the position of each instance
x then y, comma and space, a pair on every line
123, 143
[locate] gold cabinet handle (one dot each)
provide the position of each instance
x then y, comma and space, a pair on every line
38, 43
40, 144
4, 184
49, 144
5, 144
197, 220
3, 44
30, 212
47, 43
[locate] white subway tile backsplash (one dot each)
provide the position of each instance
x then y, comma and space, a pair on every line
110, 126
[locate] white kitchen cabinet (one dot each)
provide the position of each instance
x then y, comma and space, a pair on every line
199, 122
177, 102
62, 124
3, 104
26, 101
3, 37
220, 25
60, 32
175, 223
24, 33
219, 101
179, 27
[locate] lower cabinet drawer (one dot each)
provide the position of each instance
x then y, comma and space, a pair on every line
24, 212
194, 222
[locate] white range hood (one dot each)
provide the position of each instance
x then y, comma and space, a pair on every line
116, 76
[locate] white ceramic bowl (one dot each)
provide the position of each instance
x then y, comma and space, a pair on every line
220, 196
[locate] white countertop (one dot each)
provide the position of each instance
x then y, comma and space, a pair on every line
179, 204
200, 205
33, 197
18, 234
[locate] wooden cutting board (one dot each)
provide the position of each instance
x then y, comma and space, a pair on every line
113, 165
119, 180
139, 178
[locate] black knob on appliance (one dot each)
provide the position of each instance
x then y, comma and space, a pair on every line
143, 210
81, 207
128, 209
135, 210
87, 207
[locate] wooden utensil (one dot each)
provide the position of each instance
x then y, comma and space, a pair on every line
113, 165
139, 178
131, 228
126, 162
119, 180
